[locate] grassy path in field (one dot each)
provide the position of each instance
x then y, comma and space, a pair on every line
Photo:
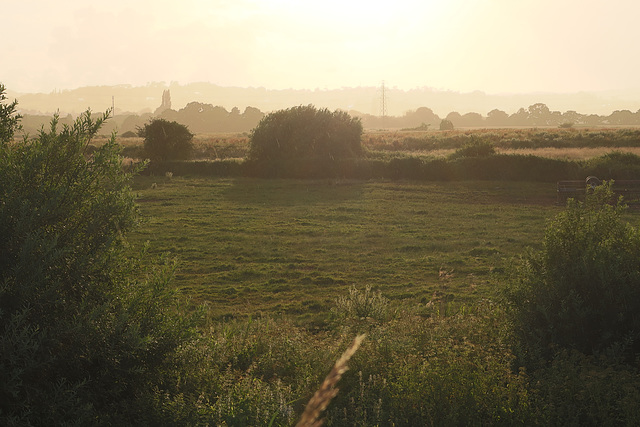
286, 246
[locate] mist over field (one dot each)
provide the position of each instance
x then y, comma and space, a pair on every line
454, 55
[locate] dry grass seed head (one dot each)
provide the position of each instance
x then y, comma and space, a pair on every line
327, 391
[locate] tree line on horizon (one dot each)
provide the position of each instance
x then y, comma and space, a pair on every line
535, 115
206, 118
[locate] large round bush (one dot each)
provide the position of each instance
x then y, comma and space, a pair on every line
305, 132
165, 140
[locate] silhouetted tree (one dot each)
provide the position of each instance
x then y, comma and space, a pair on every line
133, 122
593, 120
572, 117
621, 117
539, 115
471, 120
250, 119
201, 117
497, 118
165, 140
519, 118
252, 114
446, 124
422, 115
455, 118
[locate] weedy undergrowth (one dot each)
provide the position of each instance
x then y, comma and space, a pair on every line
362, 304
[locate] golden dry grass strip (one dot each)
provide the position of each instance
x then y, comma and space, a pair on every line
569, 153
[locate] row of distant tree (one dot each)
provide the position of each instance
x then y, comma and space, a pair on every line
206, 118
536, 115
200, 118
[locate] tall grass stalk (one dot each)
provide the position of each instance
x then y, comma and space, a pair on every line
327, 391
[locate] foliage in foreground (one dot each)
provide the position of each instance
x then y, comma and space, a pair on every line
582, 290
574, 308
85, 333
417, 369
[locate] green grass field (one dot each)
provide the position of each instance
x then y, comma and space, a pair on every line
292, 247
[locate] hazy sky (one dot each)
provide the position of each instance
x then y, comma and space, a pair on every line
496, 46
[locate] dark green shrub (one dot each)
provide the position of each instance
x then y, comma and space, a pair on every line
614, 165
514, 167
165, 140
85, 331
406, 168
582, 290
305, 132
581, 390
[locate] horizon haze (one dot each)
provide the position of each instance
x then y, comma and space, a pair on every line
497, 49
366, 100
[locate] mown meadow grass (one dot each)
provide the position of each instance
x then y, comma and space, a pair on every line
293, 270
249, 246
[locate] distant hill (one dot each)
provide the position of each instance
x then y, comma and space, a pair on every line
364, 100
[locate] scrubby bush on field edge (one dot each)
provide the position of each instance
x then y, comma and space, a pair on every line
574, 307
166, 140
614, 165
582, 290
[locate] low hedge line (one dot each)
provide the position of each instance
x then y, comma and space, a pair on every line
507, 167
